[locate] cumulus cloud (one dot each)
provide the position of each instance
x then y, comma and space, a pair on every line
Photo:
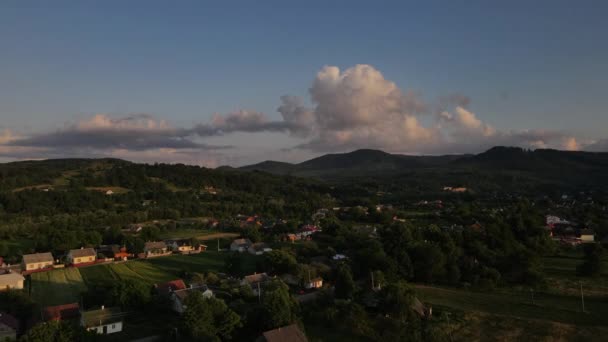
353, 108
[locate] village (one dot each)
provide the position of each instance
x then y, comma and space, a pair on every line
305, 283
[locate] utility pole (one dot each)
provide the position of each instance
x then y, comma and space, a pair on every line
582, 296
532, 291
372, 274
218, 245
259, 294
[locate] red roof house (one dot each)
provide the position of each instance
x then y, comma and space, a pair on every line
61, 312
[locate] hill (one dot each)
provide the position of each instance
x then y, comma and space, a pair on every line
498, 164
362, 162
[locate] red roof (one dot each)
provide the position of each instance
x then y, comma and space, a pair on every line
61, 312
170, 286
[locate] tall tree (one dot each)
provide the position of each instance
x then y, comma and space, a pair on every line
345, 285
209, 319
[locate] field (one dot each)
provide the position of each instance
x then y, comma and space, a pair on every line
561, 273
161, 269
557, 308
56, 287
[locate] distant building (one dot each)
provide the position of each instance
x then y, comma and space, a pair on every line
9, 326
81, 256
37, 261
155, 249
315, 283
115, 252
184, 246
178, 297
11, 281
587, 235
170, 286
259, 248
240, 245
109, 192
255, 281
103, 321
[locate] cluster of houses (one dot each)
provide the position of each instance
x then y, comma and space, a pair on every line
568, 233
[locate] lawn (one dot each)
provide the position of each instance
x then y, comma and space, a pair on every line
56, 287
558, 308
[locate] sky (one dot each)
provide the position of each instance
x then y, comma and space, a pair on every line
234, 83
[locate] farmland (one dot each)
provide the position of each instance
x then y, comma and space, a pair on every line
57, 287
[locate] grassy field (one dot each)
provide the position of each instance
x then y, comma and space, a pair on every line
203, 262
551, 307
478, 326
161, 269
562, 278
56, 287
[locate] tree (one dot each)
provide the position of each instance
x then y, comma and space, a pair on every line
209, 319
58, 331
130, 294
279, 261
345, 285
278, 306
396, 300
395, 239
592, 265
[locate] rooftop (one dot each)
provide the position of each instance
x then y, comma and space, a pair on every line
95, 318
37, 257
83, 252
290, 333
61, 312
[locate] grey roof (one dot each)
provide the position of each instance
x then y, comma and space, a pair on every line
37, 257
83, 252
257, 278
95, 318
155, 245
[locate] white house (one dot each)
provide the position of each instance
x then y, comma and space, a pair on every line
587, 235
103, 321
36, 261
11, 281
259, 248
81, 256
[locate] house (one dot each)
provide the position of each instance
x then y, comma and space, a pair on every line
9, 326
103, 321
290, 333
178, 297
109, 192
155, 249
11, 281
315, 283
240, 245
290, 237
81, 256
259, 248
587, 235
255, 281
184, 246
37, 261
170, 286
65, 312
115, 252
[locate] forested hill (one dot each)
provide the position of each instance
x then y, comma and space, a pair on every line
562, 167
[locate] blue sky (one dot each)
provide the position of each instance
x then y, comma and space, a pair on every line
525, 65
